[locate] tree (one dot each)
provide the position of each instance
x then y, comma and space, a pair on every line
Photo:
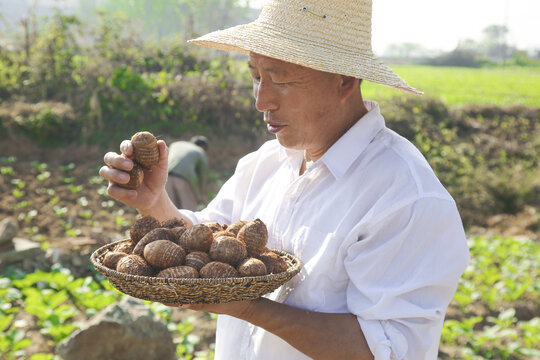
187, 17
495, 44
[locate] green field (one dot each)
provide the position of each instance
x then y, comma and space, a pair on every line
462, 86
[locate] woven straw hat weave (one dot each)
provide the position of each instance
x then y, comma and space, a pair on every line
326, 35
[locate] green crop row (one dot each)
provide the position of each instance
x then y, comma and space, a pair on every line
465, 86
497, 301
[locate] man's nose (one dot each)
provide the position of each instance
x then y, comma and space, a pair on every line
265, 97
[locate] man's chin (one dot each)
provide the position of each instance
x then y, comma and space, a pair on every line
286, 143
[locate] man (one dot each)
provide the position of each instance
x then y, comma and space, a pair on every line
381, 240
187, 172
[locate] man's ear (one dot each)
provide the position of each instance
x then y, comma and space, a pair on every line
348, 85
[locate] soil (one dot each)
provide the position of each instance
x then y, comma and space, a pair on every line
52, 208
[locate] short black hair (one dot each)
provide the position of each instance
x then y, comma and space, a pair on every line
201, 141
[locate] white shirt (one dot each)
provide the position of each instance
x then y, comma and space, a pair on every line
378, 235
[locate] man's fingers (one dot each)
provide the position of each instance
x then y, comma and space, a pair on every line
126, 148
114, 175
163, 150
118, 161
119, 193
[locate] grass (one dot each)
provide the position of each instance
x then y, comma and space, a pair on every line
464, 86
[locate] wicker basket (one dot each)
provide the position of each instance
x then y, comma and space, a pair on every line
194, 291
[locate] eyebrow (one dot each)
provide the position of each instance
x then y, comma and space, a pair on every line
270, 70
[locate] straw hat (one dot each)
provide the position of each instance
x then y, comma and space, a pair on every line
327, 35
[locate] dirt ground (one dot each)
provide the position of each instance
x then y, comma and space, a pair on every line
69, 209
66, 206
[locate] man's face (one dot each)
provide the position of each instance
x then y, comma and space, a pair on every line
300, 105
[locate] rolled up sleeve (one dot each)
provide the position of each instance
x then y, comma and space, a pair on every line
403, 272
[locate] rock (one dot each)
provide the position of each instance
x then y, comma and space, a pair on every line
23, 249
22, 244
8, 230
127, 330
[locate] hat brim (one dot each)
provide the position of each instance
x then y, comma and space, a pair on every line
257, 38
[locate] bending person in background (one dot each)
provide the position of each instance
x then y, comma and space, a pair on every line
187, 166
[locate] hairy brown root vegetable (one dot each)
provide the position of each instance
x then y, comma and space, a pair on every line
125, 247
236, 226
255, 235
197, 259
111, 259
142, 227
252, 267
216, 269
197, 238
136, 177
228, 249
145, 149
153, 235
163, 254
273, 262
178, 272
134, 265
172, 223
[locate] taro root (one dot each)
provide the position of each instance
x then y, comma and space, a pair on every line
172, 223
111, 259
224, 233
145, 149
273, 262
228, 249
255, 235
236, 226
197, 259
163, 254
216, 269
142, 227
197, 238
124, 247
215, 226
153, 235
136, 177
134, 265
178, 231
178, 272
252, 267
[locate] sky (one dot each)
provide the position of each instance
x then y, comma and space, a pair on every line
435, 24
440, 25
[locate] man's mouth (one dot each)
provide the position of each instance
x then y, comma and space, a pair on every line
274, 128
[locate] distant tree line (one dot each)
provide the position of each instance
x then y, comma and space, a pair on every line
492, 49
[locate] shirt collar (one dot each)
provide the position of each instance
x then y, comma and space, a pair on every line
339, 158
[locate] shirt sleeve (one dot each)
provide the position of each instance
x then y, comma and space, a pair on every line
403, 272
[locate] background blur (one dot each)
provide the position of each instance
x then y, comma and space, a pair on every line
77, 77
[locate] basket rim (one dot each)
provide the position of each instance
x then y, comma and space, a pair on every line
289, 273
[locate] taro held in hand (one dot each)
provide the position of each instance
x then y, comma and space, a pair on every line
145, 149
